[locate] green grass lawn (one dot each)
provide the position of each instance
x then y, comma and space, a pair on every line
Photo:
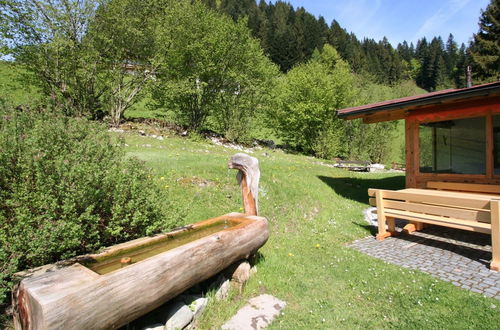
313, 212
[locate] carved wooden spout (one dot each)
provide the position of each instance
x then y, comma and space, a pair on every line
248, 178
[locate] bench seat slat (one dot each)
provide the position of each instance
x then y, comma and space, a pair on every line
437, 220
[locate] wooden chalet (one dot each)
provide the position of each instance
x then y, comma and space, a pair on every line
452, 161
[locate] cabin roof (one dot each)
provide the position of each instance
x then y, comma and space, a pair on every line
398, 108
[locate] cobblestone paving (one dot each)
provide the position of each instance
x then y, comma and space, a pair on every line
456, 256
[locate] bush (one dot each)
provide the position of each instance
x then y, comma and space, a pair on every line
67, 189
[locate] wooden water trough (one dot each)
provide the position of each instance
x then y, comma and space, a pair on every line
112, 288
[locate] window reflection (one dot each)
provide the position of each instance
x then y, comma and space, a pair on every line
455, 146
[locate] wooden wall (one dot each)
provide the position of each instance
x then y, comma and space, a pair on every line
486, 107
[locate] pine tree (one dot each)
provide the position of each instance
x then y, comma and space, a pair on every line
485, 48
459, 76
451, 57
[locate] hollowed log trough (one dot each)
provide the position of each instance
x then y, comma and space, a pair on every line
112, 288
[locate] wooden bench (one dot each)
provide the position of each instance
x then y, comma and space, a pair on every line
461, 210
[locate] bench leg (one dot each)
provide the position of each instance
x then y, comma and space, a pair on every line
383, 233
413, 226
495, 236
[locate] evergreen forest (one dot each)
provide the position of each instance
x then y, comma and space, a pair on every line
290, 35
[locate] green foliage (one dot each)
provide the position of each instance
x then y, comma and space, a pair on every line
485, 48
48, 38
210, 68
304, 107
66, 189
77, 50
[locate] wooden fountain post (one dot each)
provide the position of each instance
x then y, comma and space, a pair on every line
248, 177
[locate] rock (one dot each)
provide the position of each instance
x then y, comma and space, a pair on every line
141, 132
257, 314
242, 272
196, 303
154, 327
223, 291
185, 133
377, 167
161, 138
222, 286
253, 270
116, 130
179, 316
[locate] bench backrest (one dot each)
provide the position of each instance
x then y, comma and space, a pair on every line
467, 187
472, 207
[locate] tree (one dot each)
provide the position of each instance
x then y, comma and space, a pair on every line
305, 103
485, 48
78, 51
49, 38
123, 36
209, 67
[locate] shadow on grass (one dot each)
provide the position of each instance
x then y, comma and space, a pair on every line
357, 188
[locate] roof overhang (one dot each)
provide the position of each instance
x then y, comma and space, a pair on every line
400, 108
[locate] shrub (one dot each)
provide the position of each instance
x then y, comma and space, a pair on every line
66, 188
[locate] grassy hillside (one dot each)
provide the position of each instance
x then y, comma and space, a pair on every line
313, 212
11, 88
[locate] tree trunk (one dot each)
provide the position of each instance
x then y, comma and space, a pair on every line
75, 297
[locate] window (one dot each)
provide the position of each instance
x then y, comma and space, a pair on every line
456, 146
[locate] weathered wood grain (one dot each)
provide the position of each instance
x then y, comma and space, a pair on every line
76, 298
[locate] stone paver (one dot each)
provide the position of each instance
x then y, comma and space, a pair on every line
457, 256
257, 314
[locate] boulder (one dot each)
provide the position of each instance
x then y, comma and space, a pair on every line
179, 316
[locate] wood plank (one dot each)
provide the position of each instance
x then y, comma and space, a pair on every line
467, 187
460, 200
423, 178
442, 221
471, 108
449, 193
381, 116
457, 213
411, 152
379, 196
495, 236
